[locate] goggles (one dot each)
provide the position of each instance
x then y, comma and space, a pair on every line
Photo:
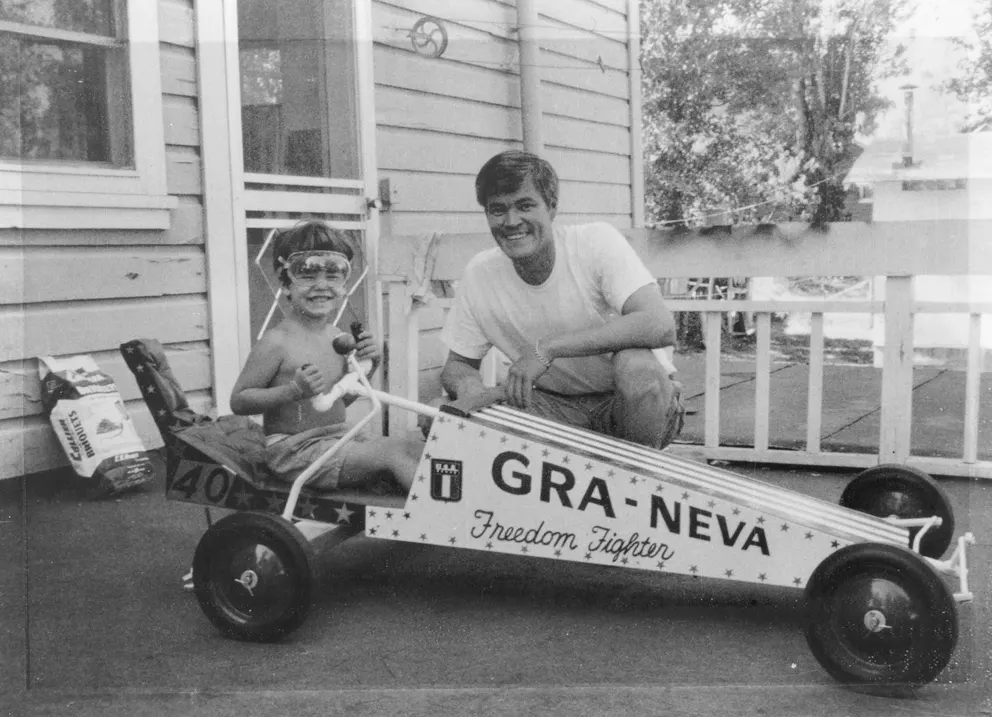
304, 267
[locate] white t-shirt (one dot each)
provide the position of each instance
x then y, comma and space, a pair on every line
595, 272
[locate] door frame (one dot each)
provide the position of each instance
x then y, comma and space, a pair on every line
224, 225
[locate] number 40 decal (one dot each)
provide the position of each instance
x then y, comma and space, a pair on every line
202, 479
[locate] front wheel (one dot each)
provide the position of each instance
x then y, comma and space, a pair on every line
253, 576
879, 615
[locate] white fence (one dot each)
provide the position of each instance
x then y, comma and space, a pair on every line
897, 250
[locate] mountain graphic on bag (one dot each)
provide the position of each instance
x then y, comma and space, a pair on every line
91, 422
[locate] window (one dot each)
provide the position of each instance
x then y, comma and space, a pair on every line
71, 149
934, 185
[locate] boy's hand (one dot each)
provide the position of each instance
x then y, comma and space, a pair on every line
367, 348
310, 380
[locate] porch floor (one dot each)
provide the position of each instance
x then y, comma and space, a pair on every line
851, 407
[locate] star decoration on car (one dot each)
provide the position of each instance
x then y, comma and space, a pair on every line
307, 507
241, 498
344, 514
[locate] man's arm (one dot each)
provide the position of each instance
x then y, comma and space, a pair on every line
645, 322
460, 376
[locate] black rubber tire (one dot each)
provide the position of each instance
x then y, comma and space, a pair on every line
253, 574
906, 493
853, 587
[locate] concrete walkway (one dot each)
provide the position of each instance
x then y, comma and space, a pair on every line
92, 620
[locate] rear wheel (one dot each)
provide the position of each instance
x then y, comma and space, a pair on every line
253, 576
880, 615
905, 493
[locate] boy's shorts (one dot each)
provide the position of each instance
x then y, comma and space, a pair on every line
598, 412
288, 455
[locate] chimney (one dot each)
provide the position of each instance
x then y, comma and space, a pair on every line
907, 147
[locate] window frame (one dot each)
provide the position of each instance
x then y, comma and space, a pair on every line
39, 194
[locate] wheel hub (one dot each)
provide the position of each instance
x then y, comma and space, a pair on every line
248, 580
875, 621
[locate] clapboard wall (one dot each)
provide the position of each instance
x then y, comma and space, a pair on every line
83, 291
440, 119
437, 121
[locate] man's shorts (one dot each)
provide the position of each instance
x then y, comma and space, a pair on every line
599, 412
288, 455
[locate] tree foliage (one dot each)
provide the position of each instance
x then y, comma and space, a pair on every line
974, 86
753, 105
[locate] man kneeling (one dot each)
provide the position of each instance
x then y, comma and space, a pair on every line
573, 307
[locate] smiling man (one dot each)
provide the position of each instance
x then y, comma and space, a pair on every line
574, 309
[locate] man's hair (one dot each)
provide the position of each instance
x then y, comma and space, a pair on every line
507, 171
308, 236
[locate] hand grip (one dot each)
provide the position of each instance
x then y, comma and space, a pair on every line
323, 401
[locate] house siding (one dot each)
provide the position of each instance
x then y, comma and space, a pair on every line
83, 291
439, 119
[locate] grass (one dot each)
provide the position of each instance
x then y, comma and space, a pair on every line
793, 348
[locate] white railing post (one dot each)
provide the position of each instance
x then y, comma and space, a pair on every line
973, 385
762, 381
814, 394
713, 325
404, 353
897, 371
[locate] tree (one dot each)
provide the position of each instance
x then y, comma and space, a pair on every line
753, 105
975, 84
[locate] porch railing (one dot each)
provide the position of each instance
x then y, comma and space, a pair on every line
897, 250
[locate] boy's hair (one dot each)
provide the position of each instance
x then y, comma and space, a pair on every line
507, 171
308, 236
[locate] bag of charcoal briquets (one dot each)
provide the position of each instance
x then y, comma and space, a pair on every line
92, 424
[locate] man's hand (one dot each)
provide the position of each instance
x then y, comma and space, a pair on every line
520, 378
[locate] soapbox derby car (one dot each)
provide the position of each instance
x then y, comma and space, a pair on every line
877, 609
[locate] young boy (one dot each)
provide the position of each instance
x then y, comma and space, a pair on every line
295, 361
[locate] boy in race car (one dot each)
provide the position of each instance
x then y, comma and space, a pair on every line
295, 361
